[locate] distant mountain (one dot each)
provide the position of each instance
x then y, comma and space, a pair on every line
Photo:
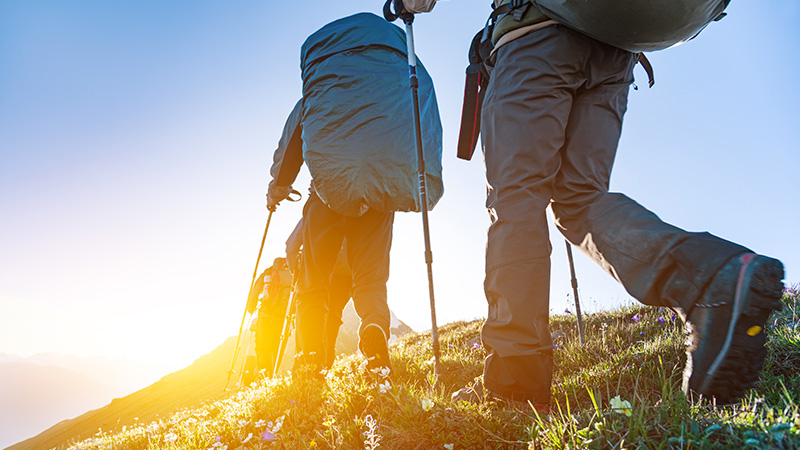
120, 375
41, 390
202, 381
33, 397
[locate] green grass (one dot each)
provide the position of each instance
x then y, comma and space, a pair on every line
633, 355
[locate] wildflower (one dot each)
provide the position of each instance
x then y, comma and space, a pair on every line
566, 310
261, 423
217, 445
641, 333
673, 318
661, 320
635, 318
384, 387
243, 423
427, 405
329, 421
621, 406
268, 436
448, 446
312, 444
278, 424
383, 372
170, 437
555, 345
476, 346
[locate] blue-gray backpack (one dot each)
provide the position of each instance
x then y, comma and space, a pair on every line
357, 118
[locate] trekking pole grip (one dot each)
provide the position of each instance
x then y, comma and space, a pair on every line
398, 12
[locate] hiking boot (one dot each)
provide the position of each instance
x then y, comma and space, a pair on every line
476, 393
726, 350
308, 366
374, 347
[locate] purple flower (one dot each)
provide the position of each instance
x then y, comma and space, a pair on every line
672, 318
635, 318
567, 311
476, 346
641, 333
661, 320
267, 436
555, 346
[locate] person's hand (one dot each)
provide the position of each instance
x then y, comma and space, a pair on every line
275, 194
418, 6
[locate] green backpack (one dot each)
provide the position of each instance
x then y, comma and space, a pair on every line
636, 25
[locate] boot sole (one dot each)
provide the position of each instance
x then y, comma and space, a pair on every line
736, 367
374, 348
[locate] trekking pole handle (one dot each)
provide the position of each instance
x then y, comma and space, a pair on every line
399, 10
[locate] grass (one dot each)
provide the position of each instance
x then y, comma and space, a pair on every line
619, 390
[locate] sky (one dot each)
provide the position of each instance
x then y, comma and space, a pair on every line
136, 139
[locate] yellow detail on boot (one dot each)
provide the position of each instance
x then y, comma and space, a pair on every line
754, 330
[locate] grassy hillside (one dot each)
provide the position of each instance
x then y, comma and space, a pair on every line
620, 390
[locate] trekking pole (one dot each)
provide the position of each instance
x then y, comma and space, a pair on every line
408, 19
286, 330
252, 283
575, 292
285, 333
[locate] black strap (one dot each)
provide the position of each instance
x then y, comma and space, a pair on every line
648, 68
517, 8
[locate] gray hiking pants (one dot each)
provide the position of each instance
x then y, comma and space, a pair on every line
551, 121
369, 240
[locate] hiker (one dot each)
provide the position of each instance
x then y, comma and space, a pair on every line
353, 128
340, 289
270, 295
550, 125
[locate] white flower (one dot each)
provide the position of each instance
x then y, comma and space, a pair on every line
621, 406
448, 446
243, 423
170, 437
427, 405
384, 387
261, 423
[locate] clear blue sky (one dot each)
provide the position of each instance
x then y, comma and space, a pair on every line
136, 137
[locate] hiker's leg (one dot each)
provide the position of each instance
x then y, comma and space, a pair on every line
323, 232
523, 121
338, 296
658, 264
369, 240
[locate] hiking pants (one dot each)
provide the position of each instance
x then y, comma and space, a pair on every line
551, 122
339, 293
369, 239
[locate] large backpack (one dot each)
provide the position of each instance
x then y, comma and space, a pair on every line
357, 118
636, 25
